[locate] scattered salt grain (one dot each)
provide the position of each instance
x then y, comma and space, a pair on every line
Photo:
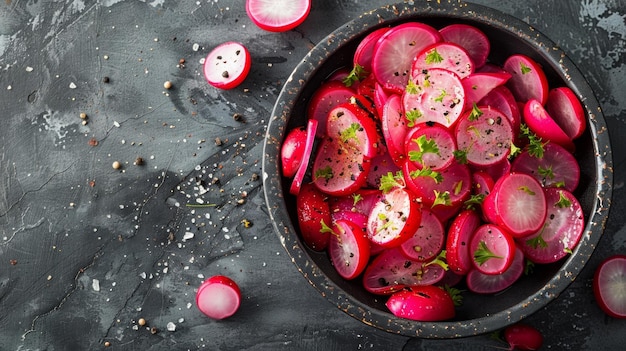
95, 285
72, 85
171, 326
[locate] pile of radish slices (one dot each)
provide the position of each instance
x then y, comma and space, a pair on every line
425, 165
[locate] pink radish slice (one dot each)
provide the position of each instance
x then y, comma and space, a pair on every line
361, 201
337, 171
557, 167
528, 81
365, 50
481, 283
455, 179
438, 97
353, 128
609, 286
380, 98
496, 170
523, 337
381, 165
394, 218
394, 126
278, 15
444, 55
296, 183
470, 38
330, 95
478, 85
430, 146
492, 249
517, 203
348, 249
567, 111
292, 151
561, 233
395, 50
428, 240
486, 136
542, 124
218, 297
482, 183
460, 232
501, 99
227, 66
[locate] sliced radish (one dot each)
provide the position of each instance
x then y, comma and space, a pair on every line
306, 155
481, 283
558, 167
354, 129
394, 218
444, 55
424, 303
292, 151
339, 170
460, 232
427, 241
609, 286
381, 164
470, 38
567, 111
501, 99
227, 66
478, 85
349, 249
523, 337
218, 297
313, 214
430, 146
365, 51
278, 15
528, 81
492, 249
395, 127
330, 95
395, 50
544, 126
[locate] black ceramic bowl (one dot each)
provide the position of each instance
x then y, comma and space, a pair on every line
479, 314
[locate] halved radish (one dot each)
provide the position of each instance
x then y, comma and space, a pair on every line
427, 241
517, 203
296, 183
434, 95
349, 249
330, 95
492, 249
227, 65
481, 283
562, 230
567, 111
278, 15
470, 38
424, 303
430, 145
395, 50
478, 85
444, 55
609, 286
292, 151
528, 80
394, 218
557, 167
542, 124
314, 214
522, 336
460, 232
218, 297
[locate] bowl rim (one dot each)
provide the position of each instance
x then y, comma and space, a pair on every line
306, 68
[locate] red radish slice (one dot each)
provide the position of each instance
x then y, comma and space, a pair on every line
523, 337
542, 124
609, 286
292, 151
365, 51
425, 303
567, 111
395, 128
381, 165
455, 180
227, 66
478, 85
470, 38
557, 167
562, 230
485, 135
349, 249
528, 81
492, 249
218, 297
330, 95
481, 283
391, 271
354, 129
339, 170
460, 232
428, 240
482, 183
361, 201
430, 146
313, 213
395, 50
278, 15
444, 55
306, 155
394, 218
501, 99
434, 95
517, 203
380, 98
496, 170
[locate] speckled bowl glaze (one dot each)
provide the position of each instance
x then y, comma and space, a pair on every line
479, 314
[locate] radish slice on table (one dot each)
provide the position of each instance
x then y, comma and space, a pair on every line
218, 297
227, 66
278, 15
609, 286
528, 81
523, 337
567, 111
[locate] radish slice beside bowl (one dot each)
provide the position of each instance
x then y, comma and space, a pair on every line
218, 297
278, 15
228, 65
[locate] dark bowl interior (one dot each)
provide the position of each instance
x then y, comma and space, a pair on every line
479, 313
